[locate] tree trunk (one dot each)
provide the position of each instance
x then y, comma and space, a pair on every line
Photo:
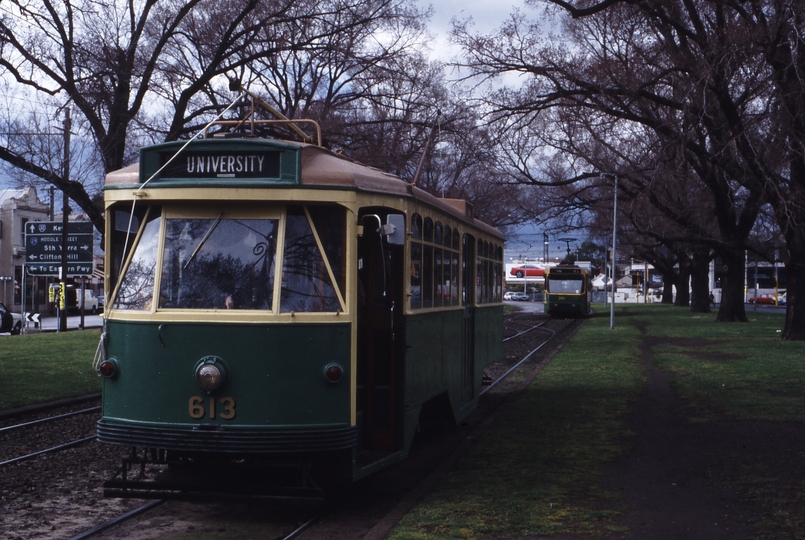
794, 328
683, 283
700, 283
732, 308
668, 282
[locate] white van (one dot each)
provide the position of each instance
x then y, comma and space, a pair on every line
90, 302
73, 300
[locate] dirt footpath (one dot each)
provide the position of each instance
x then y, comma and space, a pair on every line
705, 480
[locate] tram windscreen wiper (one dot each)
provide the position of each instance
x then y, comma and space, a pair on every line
203, 240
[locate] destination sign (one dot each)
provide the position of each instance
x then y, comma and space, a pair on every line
224, 164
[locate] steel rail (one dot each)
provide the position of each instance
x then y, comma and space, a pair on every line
49, 418
48, 450
119, 519
526, 357
301, 528
524, 332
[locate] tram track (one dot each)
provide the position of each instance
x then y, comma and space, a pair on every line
89, 533
31, 426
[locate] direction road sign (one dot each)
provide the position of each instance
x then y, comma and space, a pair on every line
52, 269
43, 247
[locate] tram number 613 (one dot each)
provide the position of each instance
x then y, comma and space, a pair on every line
196, 409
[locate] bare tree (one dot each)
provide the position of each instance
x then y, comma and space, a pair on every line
682, 71
139, 72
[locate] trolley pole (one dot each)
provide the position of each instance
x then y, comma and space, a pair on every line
614, 238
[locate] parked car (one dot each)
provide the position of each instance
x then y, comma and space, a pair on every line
762, 299
520, 296
528, 270
10, 322
507, 295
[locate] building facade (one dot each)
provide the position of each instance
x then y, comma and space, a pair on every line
18, 207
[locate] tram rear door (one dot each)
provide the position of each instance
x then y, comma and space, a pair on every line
380, 307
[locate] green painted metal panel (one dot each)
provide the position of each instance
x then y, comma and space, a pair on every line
276, 373
432, 357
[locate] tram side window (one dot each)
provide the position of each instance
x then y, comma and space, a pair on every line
480, 277
137, 286
489, 272
416, 273
427, 276
218, 264
498, 283
456, 245
330, 224
435, 267
306, 283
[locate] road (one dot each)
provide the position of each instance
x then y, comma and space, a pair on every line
531, 307
49, 323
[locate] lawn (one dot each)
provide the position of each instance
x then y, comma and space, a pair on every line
537, 471
35, 368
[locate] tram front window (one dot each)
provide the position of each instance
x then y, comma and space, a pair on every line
218, 264
137, 287
565, 286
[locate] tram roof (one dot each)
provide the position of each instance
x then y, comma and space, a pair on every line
322, 167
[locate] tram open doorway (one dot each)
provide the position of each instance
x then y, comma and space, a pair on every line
379, 333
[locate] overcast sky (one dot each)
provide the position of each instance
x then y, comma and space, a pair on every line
486, 15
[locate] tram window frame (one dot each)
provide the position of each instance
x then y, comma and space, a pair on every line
329, 229
145, 249
415, 278
489, 272
316, 298
427, 276
438, 280
122, 224
434, 258
218, 294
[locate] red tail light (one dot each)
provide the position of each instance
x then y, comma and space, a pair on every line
333, 373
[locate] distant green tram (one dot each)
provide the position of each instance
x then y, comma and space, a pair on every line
568, 291
281, 313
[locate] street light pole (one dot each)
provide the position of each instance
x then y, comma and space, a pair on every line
614, 238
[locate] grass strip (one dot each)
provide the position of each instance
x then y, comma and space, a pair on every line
537, 471
530, 473
36, 368
741, 370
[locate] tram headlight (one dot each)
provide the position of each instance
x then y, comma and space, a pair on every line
333, 372
211, 374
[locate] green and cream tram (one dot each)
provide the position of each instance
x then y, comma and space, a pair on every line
274, 306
